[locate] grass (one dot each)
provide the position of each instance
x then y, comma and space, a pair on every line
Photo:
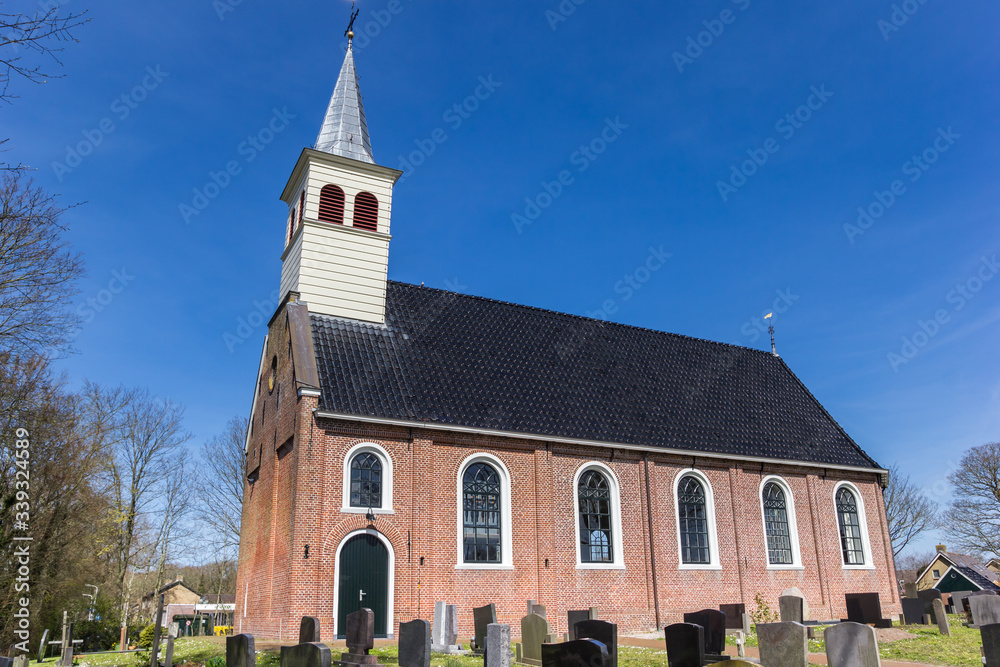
927, 646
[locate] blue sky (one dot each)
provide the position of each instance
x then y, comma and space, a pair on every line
740, 137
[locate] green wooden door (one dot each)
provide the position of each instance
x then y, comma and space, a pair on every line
363, 582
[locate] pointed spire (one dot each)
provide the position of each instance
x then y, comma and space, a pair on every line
345, 130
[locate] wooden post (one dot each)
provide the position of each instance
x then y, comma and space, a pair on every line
124, 639
168, 656
156, 633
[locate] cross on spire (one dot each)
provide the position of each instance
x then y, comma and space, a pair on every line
349, 33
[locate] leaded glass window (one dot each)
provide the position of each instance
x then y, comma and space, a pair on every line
693, 516
779, 540
850, 528
366, 480
481, 514
595, 518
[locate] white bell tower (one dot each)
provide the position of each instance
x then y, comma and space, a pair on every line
339, 212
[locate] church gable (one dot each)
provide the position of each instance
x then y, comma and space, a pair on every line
456, 360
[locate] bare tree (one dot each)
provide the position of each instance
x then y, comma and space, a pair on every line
141, 436
909, 512
972, 521
221, 482
176, 507
38, 270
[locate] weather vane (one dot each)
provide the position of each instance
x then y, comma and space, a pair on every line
349, 33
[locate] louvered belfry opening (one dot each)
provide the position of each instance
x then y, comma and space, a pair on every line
331, 204
366, 212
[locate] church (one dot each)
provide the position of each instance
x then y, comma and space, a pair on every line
409, 445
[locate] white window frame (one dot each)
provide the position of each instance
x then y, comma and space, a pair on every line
617, 562
713, 535
793, 530
506, 532
862, 521
379, 451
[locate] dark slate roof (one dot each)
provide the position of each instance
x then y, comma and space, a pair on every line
974, 570
447, 358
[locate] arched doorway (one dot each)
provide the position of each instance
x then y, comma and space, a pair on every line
364, 579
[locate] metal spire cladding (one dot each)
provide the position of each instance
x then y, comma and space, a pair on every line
345, 130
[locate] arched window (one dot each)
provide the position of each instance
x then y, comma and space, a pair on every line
693, 516
366, 211
851, 542
779, 538
595, 518
366, 480
481, 514
331, 204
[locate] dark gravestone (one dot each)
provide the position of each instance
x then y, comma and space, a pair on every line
534, 630
360, 640
783, 644
45, 644
305, 655
991, 644
6, 662
602, 631
863, 608
913, 611
240, 651
714, 623
574, 617
482, 617
685, 645
415, 644
734, 615
790, 609
851, 645
309, 630
928, 598
577, 653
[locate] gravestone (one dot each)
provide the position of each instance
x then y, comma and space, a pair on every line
309, 630
864, 608
985, 609
539, 609
308, 655
602, 631
240, 651
360, 640
685, 645
942, 618
957, 600
21, 660
911, 590
734, 663
793, 591
574, 617
577, 653
534, 632
497, 645
851, 645
444, 632
45, 644
784, 644
6, 662
913, 611
66, 654
991, 644
928, 597
415, 644
175, 630
714, 624
737, 617
168, 655
482, 617
791, 609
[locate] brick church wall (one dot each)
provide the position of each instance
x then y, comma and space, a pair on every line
297, 497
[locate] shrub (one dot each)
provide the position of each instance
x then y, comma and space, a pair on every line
762, 613
146, 636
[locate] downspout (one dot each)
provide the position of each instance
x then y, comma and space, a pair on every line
652, 552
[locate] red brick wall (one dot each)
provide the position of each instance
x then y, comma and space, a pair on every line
298, 497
